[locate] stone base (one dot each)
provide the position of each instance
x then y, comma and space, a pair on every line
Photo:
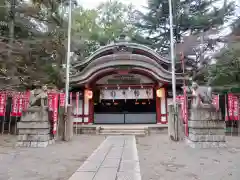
34, 144
205, 145
206, 129
34, 129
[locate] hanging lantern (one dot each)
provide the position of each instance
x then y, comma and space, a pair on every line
160, 93
124, 94
148, 92
89, 94
101, 95
113, 94
136, 93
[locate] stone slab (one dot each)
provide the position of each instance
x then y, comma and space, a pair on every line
90, 166
33, 137
206, 124
205, 145
34, 144
34, 131
129, 166
207, 131
82, 176
207, 115
33, 125
128, 176
206, 138
36, 116
111, 163
106, 174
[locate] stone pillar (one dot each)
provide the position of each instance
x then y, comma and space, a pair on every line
34, 128
68, 134
175, 130
61, 124
206, 128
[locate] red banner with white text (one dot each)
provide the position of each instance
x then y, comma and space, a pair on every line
232, 110
216, 101
15, 101
26, 99
62, 99
55, 111
3, 102
50, 101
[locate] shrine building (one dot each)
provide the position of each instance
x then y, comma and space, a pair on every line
122, 83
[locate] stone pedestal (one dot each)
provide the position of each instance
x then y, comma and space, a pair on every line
206, 128
34, 128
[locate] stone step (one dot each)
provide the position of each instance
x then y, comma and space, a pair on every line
123, 133
118, 127
123, 130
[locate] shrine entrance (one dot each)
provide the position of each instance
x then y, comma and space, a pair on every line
125, 111
123, 79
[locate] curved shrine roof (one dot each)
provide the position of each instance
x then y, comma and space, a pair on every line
123, 55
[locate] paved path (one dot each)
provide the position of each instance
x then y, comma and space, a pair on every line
115, 159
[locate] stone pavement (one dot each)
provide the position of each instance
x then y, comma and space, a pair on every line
115, 159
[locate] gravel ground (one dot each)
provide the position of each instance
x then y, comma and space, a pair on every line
56, 162
161, 159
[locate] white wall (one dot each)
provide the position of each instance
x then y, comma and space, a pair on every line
106, 94
163, 109
86, 107
77, 111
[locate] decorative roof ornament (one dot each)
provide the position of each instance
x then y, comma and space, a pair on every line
123, 38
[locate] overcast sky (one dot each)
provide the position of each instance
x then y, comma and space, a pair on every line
94, 3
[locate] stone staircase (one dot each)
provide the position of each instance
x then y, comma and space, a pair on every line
123, 130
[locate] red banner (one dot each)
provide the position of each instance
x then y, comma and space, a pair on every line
26, 100
15, 101
216, 101
71, 97
235, 108
50, 101
232, 113
55, 111
20, 104
77, 103
239, 107
3, 102
62, 100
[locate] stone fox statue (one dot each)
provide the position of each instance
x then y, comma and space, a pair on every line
38, 97
201, 95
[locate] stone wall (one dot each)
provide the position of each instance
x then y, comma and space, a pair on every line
34, 129
206, 128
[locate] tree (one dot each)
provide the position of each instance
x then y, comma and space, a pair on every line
100, 26
35, 40
190, 16
226, 70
